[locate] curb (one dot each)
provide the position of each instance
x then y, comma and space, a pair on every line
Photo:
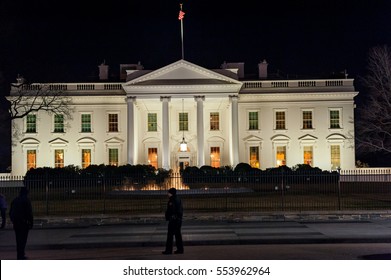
237, 217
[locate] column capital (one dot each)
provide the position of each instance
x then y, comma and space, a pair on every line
199, 98
233, 98
165, 98
130, 99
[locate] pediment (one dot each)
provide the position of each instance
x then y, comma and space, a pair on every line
336, 137
151, 140
308, 137
252, 138
58, 141
29, 141
182, 72
215, 139
114, 140
280, 137
86, 140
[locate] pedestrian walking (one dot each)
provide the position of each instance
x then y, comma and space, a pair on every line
3, 209
21, 215
174, 214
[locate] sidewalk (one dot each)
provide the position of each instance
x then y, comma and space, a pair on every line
144, 236
202, 232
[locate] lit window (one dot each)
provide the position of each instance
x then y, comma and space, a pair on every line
31, 159
86, 123
58, 123
335, 151
253, 120
152, 122
152, 157
335, 119
215, 157
113, 122
113, 157
31, 123
280, 120
214, 121
307, 120
281, 155
254, 157
183, 122
308, 155
85, 158
58, 158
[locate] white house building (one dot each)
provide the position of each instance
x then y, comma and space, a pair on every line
223, 119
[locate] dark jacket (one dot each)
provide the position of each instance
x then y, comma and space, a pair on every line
3, 202
174, 209
21, 212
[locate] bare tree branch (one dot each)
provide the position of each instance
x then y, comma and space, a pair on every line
374, 122
26, 99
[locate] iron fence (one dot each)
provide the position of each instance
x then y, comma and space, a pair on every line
261, 193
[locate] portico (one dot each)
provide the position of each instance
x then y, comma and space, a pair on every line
183, 84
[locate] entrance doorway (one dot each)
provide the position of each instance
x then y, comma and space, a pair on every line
183, 161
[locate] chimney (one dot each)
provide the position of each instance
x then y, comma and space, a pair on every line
103, 71
19, 80
262, 69
127, 69
236, 67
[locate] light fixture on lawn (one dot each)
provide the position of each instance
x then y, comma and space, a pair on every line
183, 144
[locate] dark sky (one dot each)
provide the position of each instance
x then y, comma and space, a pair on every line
55, 41
66, 40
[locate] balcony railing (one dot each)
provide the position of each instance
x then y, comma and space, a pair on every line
70, 87
247, 85
298, 84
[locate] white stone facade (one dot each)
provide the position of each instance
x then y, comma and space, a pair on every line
224, 121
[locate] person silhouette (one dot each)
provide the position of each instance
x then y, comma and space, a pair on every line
173, 215
3, 209
21, 215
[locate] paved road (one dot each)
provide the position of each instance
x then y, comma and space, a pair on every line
355, 251
210, 240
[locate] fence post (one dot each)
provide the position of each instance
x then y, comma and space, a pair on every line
282, 190
104, 193
339, 188
47, 193
226, 199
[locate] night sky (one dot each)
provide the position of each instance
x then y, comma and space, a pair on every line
66, 40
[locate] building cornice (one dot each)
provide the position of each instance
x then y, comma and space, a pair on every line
299, 97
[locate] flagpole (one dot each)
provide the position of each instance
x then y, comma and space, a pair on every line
183, 49
181, 19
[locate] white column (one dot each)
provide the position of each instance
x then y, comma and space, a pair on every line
235, 129
166, 133
131, 137
200, 130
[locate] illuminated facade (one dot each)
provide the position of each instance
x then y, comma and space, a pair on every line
223, 120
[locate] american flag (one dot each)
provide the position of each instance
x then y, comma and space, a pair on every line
181, 15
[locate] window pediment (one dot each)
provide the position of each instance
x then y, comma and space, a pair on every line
307, 140
29, 141
151, 140
58, 141
252, 138
216, 139
114, 140
336, 137
308, 137
280, 138
86, 140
